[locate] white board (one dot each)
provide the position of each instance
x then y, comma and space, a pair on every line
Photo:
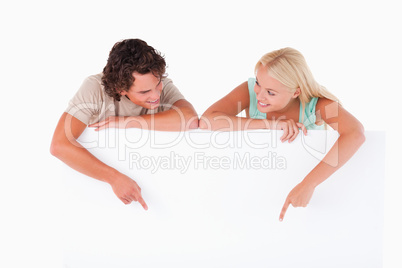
214, 200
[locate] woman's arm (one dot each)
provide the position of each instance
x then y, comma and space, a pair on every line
222, 115
182, 116
65, 147
351, 137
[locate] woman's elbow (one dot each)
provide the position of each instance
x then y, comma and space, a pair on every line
358, 134
361, 136
354, 134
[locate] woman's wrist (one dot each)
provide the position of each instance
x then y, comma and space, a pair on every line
267, 124
311, 181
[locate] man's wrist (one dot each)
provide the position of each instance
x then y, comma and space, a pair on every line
111, 176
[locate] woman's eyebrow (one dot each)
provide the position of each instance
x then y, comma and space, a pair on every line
270, 89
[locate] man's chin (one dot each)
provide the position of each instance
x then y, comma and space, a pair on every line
152, 107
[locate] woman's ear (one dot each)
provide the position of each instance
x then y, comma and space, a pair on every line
297, 93
123, 92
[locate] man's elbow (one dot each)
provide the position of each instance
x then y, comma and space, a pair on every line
189, 117
192, 123
56, 148
204, 122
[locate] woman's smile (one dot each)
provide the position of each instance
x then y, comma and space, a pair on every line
263, 104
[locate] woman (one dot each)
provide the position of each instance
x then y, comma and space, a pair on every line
285, 96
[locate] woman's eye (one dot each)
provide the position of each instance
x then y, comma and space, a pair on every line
270, 93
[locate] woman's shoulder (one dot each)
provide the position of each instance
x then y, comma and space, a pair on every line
327, 108
325, 104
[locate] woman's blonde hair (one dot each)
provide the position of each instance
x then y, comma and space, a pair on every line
288, 66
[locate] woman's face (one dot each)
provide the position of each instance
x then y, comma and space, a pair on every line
145, 91
272, 95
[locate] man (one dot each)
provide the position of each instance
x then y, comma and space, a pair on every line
132, 91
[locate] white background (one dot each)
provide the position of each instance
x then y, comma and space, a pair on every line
49, 47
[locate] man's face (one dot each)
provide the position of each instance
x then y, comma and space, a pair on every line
145, 91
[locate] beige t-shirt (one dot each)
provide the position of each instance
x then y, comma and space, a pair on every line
91, 104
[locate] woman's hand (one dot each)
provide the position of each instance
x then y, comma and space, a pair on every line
299, 197
290, 128
127, 190
113, 122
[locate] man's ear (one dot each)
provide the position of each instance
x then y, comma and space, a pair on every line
297, 93
123, 92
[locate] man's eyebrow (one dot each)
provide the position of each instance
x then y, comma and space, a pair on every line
143, 91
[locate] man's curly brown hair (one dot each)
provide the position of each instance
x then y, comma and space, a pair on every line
126, 57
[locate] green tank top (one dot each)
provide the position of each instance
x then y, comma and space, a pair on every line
308, 119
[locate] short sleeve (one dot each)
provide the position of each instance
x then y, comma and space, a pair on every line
87, 102
171, 93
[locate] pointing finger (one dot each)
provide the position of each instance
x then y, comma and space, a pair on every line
142, 202
284, 209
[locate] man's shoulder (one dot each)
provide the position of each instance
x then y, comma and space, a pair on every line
166, 81
95, 78
92, 85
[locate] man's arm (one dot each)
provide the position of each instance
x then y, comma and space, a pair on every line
65, 147
180, 117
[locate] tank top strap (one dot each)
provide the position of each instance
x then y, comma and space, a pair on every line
252, 109
307, 115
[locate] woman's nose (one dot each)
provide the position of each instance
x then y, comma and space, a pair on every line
260, 94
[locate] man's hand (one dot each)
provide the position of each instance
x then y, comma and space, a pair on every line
127, 190
299, 197
112, 122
